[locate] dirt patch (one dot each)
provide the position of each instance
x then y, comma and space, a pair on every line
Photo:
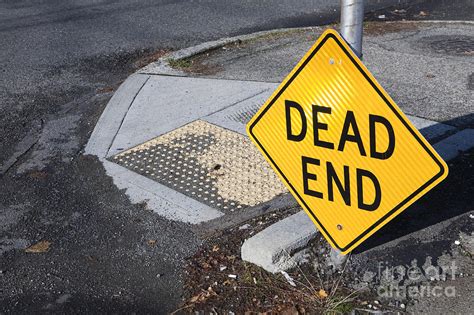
380, 28
149, 57
273, 36
107, 89
218, 281
196, 65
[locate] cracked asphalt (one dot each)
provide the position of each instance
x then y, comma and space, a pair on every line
60, 62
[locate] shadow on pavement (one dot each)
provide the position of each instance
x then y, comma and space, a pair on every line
451, 198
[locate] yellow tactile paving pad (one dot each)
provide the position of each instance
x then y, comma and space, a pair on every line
216, 166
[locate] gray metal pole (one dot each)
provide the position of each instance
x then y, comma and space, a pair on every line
352, 17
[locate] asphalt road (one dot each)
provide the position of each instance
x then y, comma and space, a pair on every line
60, 61
56, 51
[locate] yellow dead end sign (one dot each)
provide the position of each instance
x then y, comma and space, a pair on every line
342, 146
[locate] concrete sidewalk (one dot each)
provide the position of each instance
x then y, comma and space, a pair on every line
175, 137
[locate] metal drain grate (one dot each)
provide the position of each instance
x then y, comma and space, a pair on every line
216, 166
244, 115
450, 44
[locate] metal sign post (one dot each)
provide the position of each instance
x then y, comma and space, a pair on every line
352, 17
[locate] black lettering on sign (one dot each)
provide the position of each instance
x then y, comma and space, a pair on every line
320, 126
360, 174
340, 180
350, 122
289, 131
309, 176
332, 178
373, 119
363, 178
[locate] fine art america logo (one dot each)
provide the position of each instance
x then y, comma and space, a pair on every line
413, 282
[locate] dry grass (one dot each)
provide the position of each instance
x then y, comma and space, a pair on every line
195, 65
150, 57
380, 28
209, 289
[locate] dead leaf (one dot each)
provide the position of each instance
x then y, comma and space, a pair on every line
195, 298
38, 174
322, 294
290, 311
40, 247
288, 278
215, 248
151, 242
211, 291
203, 296
106, 89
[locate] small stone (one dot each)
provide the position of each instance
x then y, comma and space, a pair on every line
457, 242
245, 227
402, 305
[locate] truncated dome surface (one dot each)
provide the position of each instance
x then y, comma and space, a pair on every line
211, 164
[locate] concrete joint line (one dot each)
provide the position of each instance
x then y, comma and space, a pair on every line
112, 117
125, 116
236, 102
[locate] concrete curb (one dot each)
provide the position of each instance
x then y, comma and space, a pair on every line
272, 247
112, 118
454, 145
162, 66
435, 22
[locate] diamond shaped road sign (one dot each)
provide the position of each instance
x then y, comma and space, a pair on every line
342, 146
